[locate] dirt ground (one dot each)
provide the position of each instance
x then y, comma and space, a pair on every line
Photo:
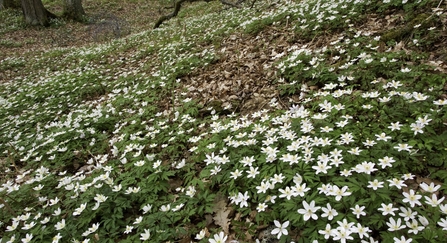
104, 17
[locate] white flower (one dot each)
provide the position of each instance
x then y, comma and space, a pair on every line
216, 170
361, 231
423, 220
357, 210
395, 126
45, 220
138, 220
386, 162
263, 187
147, 208
405, 70
139, 163
443, 208
345, 225
402, 240
327, 232
96, 206
243, 199
29, 226
403, 146
287, 193
322, 166
100, 198
280, 228
128, 229
165, 208
91, 229
79, 210
13, 226
408, 176
412, 198
407, 213
342, 235
371, 240
38, 188
277, 178
27, 238
261, 207
443, 224
434, 201
329, 212
340, 192
145, 235
309, 210
235, 174
395, 225
54, 201
201, 235
397, 183
178, 207
219, 238
387, 209
60, 225
375, 184
56, 238
440, 102
57, 212
253, 172
300, 189
414, 227
430, 188
191, 191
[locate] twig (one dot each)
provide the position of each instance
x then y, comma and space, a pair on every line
8, 207
439, 4
280, 101
11, 158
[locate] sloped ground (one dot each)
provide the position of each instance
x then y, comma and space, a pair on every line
154, 115
244, 79
105, 18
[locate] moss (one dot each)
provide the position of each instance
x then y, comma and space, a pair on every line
399, 33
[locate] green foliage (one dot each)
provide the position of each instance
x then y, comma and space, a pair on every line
96, 152
11, 20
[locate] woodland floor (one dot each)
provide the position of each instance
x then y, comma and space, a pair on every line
241, 77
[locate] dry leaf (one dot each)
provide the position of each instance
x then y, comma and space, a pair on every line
221, 217
208, 219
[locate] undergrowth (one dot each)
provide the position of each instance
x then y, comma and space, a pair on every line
103, 147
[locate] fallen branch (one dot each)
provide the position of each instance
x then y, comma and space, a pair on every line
178, 5
253, 4
234, 5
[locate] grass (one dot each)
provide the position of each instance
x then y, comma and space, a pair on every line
132, 140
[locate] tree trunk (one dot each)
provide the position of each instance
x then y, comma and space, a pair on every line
73, 10
9, 4
35, 13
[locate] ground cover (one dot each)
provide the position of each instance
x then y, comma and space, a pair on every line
308, 121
